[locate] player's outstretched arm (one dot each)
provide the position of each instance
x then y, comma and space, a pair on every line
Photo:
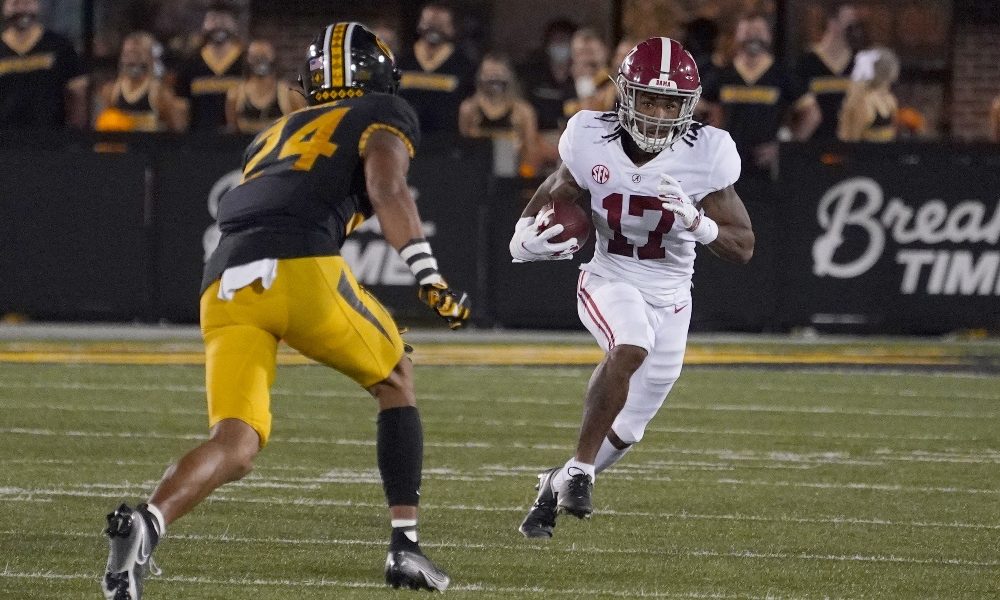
386, 164
735, 240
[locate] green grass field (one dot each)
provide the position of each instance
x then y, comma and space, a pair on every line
751, 483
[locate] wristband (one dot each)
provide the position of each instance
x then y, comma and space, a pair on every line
706, 230
423, 265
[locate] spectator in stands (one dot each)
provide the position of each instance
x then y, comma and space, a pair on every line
205, 79
137, 100
496, 110
546, 75
995, 120
548, 86
700, 36
261, 97
610, 92
591, 79
826, 68
870, 107
436, 76
755, 95
42, 83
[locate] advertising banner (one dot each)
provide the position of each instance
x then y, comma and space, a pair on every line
890, 238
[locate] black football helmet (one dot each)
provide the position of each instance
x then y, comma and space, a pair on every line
346, 60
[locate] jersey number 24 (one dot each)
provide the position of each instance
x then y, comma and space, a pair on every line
308, 143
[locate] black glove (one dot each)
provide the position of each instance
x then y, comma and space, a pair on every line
452, 306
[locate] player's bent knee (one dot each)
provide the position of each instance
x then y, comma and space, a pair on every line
626, 358
628, 428
396, 390
241, 443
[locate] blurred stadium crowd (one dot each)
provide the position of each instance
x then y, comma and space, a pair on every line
200, 68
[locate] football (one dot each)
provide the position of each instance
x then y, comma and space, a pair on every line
575, 221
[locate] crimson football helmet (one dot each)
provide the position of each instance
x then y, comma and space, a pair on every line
660, 66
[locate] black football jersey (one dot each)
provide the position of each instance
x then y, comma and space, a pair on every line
303, 188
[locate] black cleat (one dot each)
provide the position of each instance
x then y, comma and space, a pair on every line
541, 519
410, 568
575, 497
130, 557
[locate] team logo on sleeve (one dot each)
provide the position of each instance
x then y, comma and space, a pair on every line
600, 173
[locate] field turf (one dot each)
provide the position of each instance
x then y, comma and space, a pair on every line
751, 483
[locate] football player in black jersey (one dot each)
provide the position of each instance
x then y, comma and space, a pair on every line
277, 274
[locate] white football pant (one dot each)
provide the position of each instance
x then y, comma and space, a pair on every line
615, 313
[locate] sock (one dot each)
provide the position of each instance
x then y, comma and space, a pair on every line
609, 455
154, 520
400, 449
565, 473
404, 535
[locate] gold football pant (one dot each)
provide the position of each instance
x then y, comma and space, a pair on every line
317, 307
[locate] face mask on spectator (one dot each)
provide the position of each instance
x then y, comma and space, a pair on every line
432, 35
262, 69
135, 70
756, 46
585, 87
494, 87
559, 53
21, 21
218, 35
857, 37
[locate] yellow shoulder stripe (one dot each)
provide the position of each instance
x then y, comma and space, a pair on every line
363, 142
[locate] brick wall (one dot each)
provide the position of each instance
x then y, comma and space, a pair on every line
290, 36
975, 80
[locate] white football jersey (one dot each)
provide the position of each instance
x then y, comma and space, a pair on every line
637, 239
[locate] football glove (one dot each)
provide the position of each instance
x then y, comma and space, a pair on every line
677, 202
454, 307
529, 244
705, 230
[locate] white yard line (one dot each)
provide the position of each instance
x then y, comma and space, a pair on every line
685, 552
539, 400
725, 454
124, 490
19, 405
335, 583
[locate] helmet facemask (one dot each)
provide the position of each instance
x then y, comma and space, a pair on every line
652, 134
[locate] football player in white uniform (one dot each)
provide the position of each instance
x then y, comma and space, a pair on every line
657, 183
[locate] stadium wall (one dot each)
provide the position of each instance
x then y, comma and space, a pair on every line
896, 238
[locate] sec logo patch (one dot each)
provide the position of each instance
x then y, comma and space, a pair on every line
600, 173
